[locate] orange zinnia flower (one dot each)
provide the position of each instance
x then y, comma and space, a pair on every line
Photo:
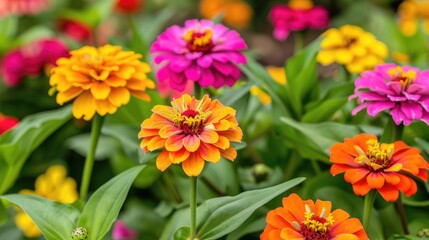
101, 79
303, 219
190, 132
369, 164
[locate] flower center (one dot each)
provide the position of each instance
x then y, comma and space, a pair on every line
405, 78
377, 156
315, 227
190, 121
199, 42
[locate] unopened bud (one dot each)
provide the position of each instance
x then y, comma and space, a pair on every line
79, 233
260, 172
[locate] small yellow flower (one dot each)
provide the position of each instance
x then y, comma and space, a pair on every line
53, 185
401, 57
263, 97
409, 12
278, 74
352, 47
100, 80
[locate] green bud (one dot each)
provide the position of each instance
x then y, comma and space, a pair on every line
79, 233
260, 172
423, 233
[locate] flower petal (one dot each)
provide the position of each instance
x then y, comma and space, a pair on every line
194, 165
191, 143
163, 161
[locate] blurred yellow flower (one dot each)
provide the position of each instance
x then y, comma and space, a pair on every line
401, 57
300, 4
100, 80
236, 13
409, 12
278, 74
53, 185
352, 47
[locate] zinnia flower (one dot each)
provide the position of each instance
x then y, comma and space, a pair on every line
297, 15
7, 123
303, 219
31, 59
202, 51
122, 232
53, 185
236, 13
404, 91
352, 47
190, 132
384, 167
74, 29
22, 7
100, 80
410, 12
128, 6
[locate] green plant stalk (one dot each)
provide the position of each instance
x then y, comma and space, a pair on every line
193, 207
401, 212
198, 91
97, 122
367, 208
299, 41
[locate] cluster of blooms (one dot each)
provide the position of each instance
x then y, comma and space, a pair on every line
31, 59
297, 15
7, 122
236, 13
410, 11
22, 7
352, 47
53, 185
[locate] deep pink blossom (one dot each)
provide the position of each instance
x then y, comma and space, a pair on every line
7, 123
403, 91
22, 7
76, 30
31, 59
201, 51
286, 19
122, 232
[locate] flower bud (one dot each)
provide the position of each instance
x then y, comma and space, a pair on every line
260, 172
423, 233
79, 233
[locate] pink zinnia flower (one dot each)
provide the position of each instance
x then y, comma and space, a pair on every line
30, 59
22, 7
201, 51
122, 232
76, 30
7, 123
404, 91
286, 19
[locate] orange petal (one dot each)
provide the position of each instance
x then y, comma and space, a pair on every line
84, 106
391, 178
148, 133
339, 168
125, 72
232, 135
174, 143
230, 153
346, 236
375, 180
295, 205
155, 143
164, 111
350, 225
179, 156
320, 205
291, 234
141, 95
209, 152
269, 234
65, 96
104, 106
361, 188
222, 143
389, 193
163, 161
222, 125
119, 96
168, 131
100, 90
208, 136
193, 165
115, 81
394, 168
339, 216
191, 142
355, 174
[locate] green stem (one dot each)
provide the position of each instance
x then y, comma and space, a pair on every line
97, 122
367, 207
401, 211
198, 91
315, 166
299, 41
291, 165
193, 206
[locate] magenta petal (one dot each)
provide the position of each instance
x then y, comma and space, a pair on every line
397, 115
193, 72
180, 64
177, 81
359, 108
375, 107
223, 68
412, 97
121, 231
424, 102
411, 110
163, 73
207, 78
205, 61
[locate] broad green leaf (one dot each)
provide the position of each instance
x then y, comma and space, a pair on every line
324, 110
184, 233
220, 216
55, 220
256, 223
17, 145
104, 205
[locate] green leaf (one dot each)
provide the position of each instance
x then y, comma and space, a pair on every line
220, 216
104, 205
8, 26
99, 11
17, 145
55, 220
80, 144
184, 233
324, 110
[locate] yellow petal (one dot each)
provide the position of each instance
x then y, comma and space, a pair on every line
84, 106
119, 96
100, 90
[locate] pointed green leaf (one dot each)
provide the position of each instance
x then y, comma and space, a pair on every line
324, 110
17, 145
104, 205
55, 220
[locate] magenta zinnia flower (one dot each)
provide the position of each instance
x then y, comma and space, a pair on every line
22, 7
404, 91
297, 17
201, 51
122, 232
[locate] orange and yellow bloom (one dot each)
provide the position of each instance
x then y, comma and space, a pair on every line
410, 12
303, 219
236, 13
387, 168
352, 47
53, 185
100, 80
191, 132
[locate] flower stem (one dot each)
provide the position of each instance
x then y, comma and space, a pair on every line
367, 207
401, 211
97, 122
193, 206
299, 41
198, 91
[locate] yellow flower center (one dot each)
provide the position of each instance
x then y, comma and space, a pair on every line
405, 78
190, 121
300, 4
377, 156
315, 227
199, 41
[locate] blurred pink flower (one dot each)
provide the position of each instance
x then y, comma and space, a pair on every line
31, 59
122, 232
404, 91
22, 7
75, 30
201, 51
7, 123
286, 19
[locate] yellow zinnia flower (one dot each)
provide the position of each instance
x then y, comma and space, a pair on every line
409, 12
278, 74
352, 47
53, 185
100, 80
